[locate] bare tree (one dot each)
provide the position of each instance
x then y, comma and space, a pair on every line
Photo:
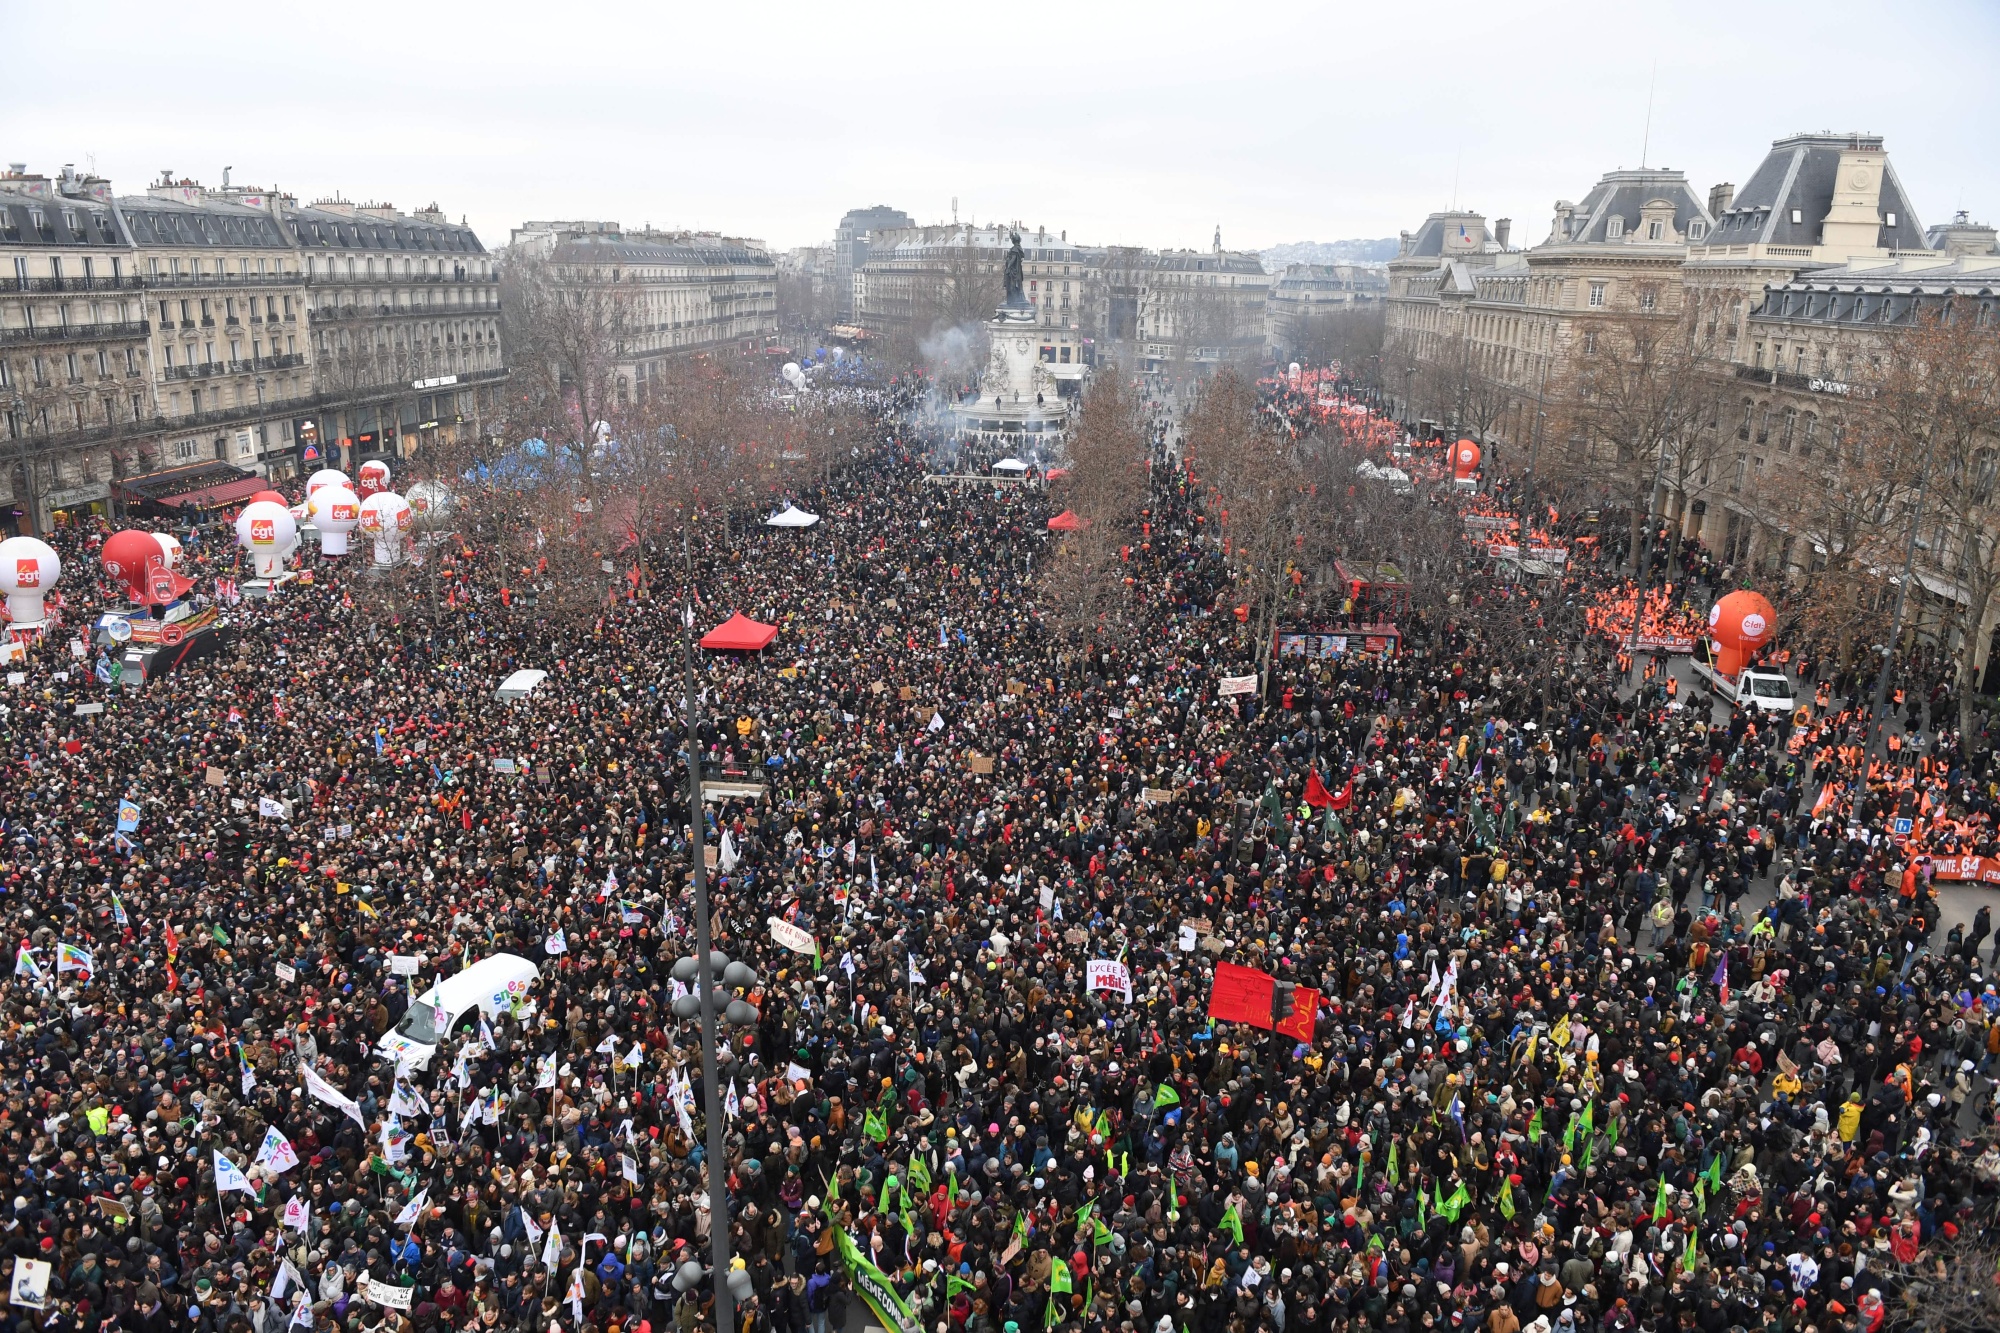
1636, 402
1084, 589
1938, 388
566, 330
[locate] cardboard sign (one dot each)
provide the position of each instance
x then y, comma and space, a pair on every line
981, 763
877, 688
286, 973
402, 965
1108, 974
906, 694
89, 710
216, 777
31, 1284
386, 1294
792, 937
1016, 687
1157, 796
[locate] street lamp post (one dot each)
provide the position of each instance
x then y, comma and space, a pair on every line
719, 971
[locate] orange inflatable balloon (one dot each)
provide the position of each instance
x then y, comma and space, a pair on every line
1464, 459
1742, 620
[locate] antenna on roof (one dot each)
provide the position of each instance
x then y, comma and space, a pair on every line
1646, 140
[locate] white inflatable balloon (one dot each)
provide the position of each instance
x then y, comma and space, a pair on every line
269, 533
28, 570
385, 516
429, 499
327, 476
170, 547
335, 511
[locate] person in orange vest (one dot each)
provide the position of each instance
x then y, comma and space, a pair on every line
1673, 685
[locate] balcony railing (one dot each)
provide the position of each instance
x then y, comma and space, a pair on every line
123, 282
243, 366
223, 279
76, 332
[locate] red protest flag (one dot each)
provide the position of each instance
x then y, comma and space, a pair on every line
1241, 995
1305, 1013
1342, 801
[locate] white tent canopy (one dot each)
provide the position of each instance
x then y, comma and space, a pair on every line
791, 516
1010, 465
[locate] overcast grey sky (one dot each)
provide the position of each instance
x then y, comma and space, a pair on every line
1136, 123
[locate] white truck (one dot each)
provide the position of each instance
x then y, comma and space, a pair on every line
1761, 689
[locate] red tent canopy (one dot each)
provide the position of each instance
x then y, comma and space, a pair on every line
740, 634
1066, 521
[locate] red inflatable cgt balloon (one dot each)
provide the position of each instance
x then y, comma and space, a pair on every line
1464, 459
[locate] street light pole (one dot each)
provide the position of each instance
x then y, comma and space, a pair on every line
718, 1179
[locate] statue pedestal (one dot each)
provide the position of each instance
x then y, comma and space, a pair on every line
1018, 411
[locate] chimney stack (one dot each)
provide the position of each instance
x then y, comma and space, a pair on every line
1720, 197
1501, 228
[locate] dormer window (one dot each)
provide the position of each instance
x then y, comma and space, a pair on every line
1615, 228
1697, 229
1656, 230
1888, 219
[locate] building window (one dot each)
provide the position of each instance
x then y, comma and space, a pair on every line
1656, 230
1614, 228
1743, 430
1888, 219
1697, 229
1597, 293
1648, 298
1790, 429
1806, 440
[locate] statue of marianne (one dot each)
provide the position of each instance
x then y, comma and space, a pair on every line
1014, 286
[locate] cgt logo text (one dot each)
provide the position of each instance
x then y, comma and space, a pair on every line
263, 530
28, 572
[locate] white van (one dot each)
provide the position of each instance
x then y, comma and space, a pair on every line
495, 985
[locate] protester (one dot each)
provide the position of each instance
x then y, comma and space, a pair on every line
1622, 1021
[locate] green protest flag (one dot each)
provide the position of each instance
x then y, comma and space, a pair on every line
220, 938
873, 1286
1714, 1174
953, 1284
1662, 1197
1611, 1129
1059, 1278
1692, 1254
1394, 1163
1507, 1206
1232, 1223
1083, 1213
1451, 1206
1589, 1117
1102, 1236
1021, 1227
876, 1126
1423, 1218
1165, 1096
1569, 1135
1535, 1127
919, 1173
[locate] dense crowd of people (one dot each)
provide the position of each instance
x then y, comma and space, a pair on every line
1618, 1025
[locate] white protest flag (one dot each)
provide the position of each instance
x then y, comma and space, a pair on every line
249, 1080
937, 722
628, 1168
413, 1210
575, 1296
277, 1154
545, 1072
727, 857
288, 1278
555, 944
533, 1229
228, 1178
916, 977
332, 1096
731, 1104
298, 1214
634, 1056
609, 1046
406, 1100
552, 1247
